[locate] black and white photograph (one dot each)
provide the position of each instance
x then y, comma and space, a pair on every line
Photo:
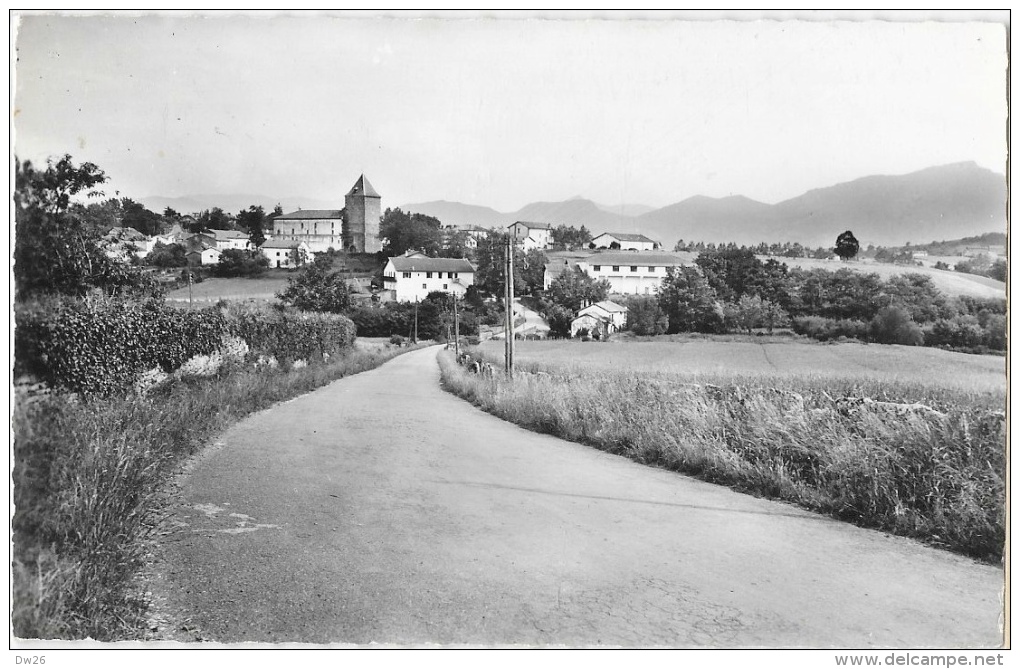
499, 330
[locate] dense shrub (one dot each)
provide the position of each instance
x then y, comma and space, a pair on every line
236, 262
290, 335
101, 347
826, 329
893, 325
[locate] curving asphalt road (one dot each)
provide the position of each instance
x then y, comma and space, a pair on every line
382, 509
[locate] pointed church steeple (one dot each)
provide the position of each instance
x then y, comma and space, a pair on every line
363, 187
362, 214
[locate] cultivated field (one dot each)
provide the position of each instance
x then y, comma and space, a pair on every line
740, 356
215, 289
949, 282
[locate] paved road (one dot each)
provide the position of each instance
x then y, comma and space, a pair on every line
381, 508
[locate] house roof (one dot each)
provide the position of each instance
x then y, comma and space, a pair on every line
530, 226
627, 237
124, 233
282, 243
229, 234
305, 214
650, 258
607, 305
362, 187
205, 247
403, 264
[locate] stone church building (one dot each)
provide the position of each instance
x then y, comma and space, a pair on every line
355, 228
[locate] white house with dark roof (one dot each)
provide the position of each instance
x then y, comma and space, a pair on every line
204, 254
230, 239
319, 229
626, 241
628, 272
413, 278
281, 252
531, 235
601, 319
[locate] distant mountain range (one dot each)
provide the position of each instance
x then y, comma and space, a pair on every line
946, 202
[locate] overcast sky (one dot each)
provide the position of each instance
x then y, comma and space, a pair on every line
505, 112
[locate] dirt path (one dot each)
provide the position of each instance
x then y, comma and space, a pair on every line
381, 508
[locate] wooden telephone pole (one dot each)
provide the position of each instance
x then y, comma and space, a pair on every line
456, 328
509, 298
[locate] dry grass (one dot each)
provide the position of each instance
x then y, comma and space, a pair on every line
738, 356
937, 479
87, 478
215, 289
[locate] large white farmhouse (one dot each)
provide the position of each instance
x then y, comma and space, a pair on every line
628, 272
413, 278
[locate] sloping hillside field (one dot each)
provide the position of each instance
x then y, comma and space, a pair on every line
947, 281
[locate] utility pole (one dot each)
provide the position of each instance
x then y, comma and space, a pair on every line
456, 328
189, 288
509, 297
416, 320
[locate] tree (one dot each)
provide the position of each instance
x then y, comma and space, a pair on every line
213, 219
531, 267
568, 238
893, 325
574, 288
689, 302
55, 252
236, 262
405, 231
847, 246
315, 288
141, 219
253, 221
299, 257
645, 317
167, 255
559, 320
490, 257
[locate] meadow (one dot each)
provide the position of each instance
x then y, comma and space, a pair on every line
946, 281
215, 289
750, 356
781, 419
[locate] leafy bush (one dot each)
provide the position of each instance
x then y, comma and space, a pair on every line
101, 347
893, 325
236, 262
826, 329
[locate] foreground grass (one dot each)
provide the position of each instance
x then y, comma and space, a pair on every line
938, 479
87, 479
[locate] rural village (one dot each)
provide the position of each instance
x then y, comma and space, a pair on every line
360, 420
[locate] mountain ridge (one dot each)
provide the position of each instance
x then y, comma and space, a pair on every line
939, 202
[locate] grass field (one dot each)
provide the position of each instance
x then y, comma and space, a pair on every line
949, 282
742, 356
782, 418
215, 289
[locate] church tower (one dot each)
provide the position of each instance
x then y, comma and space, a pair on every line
362, 214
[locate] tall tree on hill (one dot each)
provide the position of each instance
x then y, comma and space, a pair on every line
574, 288
490, 257
213, 219
847, 246
141, 219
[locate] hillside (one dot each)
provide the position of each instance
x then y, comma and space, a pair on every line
735, 219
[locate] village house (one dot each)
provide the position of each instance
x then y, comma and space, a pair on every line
287, 253
624, 241
206, 254
413, 277
531, 235
600, 319
628, 272
230, 239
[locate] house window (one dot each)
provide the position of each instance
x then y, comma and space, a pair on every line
424, 286
440, 275
651, 269
597, 268
428, 275
633, 268
446, 287
454, 275
616, 268
407, 275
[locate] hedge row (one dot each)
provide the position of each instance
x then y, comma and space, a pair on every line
99, 348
